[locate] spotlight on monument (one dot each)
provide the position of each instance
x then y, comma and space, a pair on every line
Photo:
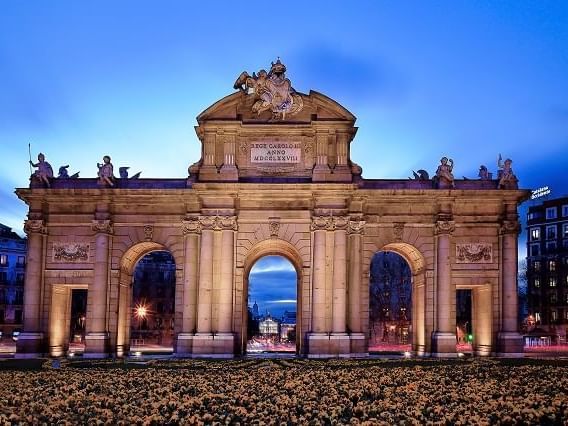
407, 354
141, 311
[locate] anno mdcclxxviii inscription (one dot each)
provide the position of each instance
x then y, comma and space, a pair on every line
276, 152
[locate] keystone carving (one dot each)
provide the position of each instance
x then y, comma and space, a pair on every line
398, 230
148, 232
274, 228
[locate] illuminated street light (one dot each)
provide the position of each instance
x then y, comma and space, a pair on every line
141, 311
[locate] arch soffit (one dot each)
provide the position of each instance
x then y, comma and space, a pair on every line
274, 247
411, 254
131, 257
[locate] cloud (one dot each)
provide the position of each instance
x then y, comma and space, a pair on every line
285, 301
272, 264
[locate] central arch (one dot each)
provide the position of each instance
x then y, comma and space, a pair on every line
273, 247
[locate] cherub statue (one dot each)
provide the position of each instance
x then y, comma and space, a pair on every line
444, 176
44, 171
106, 175
507, 179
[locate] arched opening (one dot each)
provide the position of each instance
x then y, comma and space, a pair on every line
271, 306
390, 303
152, 304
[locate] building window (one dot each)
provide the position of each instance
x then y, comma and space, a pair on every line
3, 276
554, 315
20, 278
535, 250
565, 230
566, 314
552, 265
536, 265
551, 232
537, 317
535, 234
552, 281
3, 260
537, 282
565, 243
565, 210
551, 246
551, 213
21, 261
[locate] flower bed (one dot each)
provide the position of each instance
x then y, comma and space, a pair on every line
287, 391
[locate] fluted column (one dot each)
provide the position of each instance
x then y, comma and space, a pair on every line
339, 289
31, 340
229, 170
228, 226
319, 226
510, 341
191, 228
204, 299
97, 334
444, 339
209, 149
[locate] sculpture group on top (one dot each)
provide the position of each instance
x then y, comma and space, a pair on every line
444, 178
272, 91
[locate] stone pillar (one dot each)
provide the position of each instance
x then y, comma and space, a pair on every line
208, 170
58, 333
204, 298
342, 170
355, 230
339, 339
30, 342
96, 339
482, 320
318, 338
321, 169
229, 171
510, 341
227, 266
191, 228
444, 338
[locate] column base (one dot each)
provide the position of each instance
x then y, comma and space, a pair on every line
229, 172
482, 350
184, 345
357, 343
96, 345
324, 345
510, 344
444, 345
220, 345
30, 345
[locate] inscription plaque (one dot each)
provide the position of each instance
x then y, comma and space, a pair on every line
276, 152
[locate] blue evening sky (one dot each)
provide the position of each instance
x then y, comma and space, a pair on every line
273, 286
464, 79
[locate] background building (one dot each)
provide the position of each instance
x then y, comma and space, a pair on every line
12, 273
547, 268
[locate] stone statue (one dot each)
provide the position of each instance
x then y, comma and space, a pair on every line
507, 179
106, 175
44, 171
63, 174
123, 172
272, 91
420, 175
444, 176
484, 173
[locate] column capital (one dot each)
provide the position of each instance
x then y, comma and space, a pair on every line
191, 225
510, 227
330, 223
218, 223
356, 227
35, 226
103, 226
444, 227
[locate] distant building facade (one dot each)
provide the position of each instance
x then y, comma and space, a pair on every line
12, 276
547, 267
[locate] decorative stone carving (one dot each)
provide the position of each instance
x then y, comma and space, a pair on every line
70, 252
507, 179
510, 227
329, 223
274, 227
218, 223
148, 232
35, 226
44, 171
444, 178
191, 225
272, 91
398, 230
243, 147
356, 227
105, 173
102, 226
445, 227
341, 222
474, 253
308, 147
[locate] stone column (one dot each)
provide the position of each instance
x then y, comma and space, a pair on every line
355, 230
444, 338
30, 342
229, 170
482, 320
318, 339
342, 171
204, 299
58, 334
229, 225
339, 339
510, 341
96, 340
321, 169
191, 228
208, 169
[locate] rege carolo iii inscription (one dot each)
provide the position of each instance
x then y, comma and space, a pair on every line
275, 152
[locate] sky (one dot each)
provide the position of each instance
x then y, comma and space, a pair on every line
465, 79
273, 286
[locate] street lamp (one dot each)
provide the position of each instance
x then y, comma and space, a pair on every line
141, 311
